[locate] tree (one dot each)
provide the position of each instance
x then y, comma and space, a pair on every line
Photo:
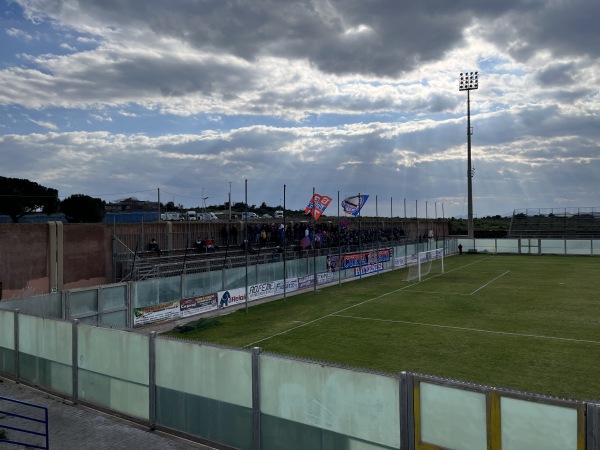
19, 197
83, 208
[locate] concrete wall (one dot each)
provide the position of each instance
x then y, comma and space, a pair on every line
35, 258
23, 259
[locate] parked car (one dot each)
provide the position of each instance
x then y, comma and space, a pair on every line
191, 215
171, 216
278, 214
207, 216
249, 216
267, 216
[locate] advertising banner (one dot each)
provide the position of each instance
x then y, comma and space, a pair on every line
352, 260
231, 297
291, 284
306, 281
156, 313
369, 268
198, 305
326, 277
400, 262
262, 290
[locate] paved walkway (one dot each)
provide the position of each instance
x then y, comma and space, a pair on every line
76, 427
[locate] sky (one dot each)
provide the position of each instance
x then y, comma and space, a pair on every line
200, 99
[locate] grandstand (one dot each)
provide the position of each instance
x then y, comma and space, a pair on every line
557, 223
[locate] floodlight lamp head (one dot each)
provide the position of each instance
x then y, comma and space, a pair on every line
468, 81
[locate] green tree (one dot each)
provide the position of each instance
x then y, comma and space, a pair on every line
20, 196
83, 208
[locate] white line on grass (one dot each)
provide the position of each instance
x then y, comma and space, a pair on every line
475, 330
325, 316
488, 283
350, 307
418, 291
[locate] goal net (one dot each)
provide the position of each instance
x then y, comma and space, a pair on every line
424, 263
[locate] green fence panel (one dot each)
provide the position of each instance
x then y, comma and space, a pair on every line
114, 296
145, 293
452, 417
83, 302
551, 246
45, 353
530, 425
507, 245
169, 289
113, 370
7, 342
307, 405
579, 247
205, 391
47, 305
235, 278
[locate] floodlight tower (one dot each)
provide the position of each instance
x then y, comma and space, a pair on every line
469, 81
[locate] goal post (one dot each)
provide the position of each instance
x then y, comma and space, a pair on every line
425, 262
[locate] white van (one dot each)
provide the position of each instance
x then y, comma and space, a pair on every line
171, 216
278, 214
191, 215
207, 216
249, 216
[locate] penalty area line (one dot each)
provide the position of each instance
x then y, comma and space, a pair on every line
326, 316
488, 283
474, 330
353, 306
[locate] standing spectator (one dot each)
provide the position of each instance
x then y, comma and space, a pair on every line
233, 234
256, 234
224, 235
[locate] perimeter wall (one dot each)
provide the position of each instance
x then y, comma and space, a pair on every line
47, 258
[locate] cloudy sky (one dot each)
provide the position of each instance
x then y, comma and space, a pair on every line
118, 98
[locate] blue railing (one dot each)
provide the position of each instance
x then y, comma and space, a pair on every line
36, 424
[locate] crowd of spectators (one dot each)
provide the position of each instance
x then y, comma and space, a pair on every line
319, 235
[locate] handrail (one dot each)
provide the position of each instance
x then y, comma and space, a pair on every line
27, 431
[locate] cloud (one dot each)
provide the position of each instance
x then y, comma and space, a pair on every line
19, 34
346, 95
44, 124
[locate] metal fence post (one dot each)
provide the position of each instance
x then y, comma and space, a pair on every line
16, 337
99, 307
130, 287
152, 379
74, 360
256, 398
407, 416
592, 426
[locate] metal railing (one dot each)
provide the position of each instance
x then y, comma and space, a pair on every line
26, 435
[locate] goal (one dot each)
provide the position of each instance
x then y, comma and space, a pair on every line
425, 263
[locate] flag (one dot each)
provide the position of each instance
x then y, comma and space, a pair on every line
305, 242
320, 202
353, 205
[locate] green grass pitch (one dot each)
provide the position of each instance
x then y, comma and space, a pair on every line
523, 322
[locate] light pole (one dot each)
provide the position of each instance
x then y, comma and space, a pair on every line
469, 81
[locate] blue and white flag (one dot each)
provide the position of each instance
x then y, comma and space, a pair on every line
353, 205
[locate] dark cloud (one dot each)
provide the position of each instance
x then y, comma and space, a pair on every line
379, 37
315, 78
